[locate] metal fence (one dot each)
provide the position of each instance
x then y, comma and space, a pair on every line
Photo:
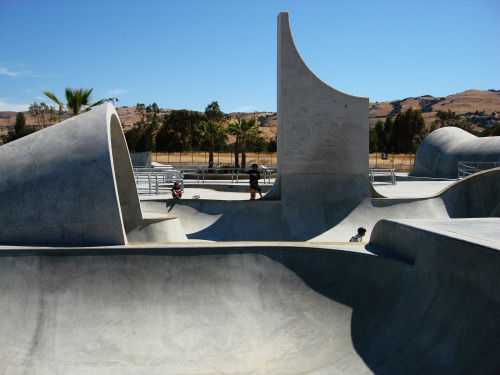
154, 180
466, 168
383, 172
201, 172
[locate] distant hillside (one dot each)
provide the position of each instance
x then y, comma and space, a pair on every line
482, 107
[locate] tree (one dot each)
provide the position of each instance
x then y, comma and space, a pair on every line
374, 141
135, 139
20, 129
152, 112
142, 137
213, 113
494, 131
389, 135
234, 128
42, 113
140, 108
180, 131
249, 129
449, 118
243, 130
76, 99
211, 132
258, 144
409, 129
272, 146
51, 95
380, 135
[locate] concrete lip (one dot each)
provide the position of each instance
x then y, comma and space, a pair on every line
155, 215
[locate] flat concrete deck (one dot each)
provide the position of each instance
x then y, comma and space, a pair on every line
221, 190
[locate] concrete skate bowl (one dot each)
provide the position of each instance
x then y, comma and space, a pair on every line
252, 309
209, 220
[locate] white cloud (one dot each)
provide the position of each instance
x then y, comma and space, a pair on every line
4, 106
7, 72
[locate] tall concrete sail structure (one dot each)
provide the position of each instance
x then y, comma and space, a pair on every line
322, 144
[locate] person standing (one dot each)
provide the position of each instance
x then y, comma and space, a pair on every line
254, 181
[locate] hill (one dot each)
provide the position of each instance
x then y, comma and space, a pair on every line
481, 106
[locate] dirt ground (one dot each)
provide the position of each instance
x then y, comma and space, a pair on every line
401, 162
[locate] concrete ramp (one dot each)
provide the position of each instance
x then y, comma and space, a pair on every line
250, 308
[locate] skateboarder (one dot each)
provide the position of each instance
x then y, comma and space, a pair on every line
176, 191
254, 182
358, 237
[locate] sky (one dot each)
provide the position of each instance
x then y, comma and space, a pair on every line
184, 54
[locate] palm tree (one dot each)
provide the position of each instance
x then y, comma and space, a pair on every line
211, 132
76, 99
54, 98
249, 129
234, 128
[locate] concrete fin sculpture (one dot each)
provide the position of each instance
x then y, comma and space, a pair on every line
322, 144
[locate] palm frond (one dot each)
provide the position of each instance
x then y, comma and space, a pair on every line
53, 98
99, 102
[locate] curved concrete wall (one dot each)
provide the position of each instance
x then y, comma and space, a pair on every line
478, 195
69, 184
439, 153
322, 144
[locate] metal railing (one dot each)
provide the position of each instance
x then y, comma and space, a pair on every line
466, 168
385, 172
154, 180
235, 173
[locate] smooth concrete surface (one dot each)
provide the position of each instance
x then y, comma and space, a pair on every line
439, 153
140, 159
250, 308
475, 196
322, 144
421, 298
225, 190
477, 232
69, 184
411, 189
158, 227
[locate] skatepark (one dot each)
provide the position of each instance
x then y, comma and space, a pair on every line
96, 279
